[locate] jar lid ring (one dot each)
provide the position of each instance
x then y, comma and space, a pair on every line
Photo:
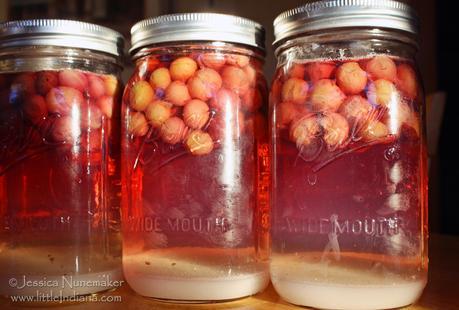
60, 32
338, 14
196, 27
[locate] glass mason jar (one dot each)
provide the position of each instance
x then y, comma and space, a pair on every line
194, 154
349, 158
59, 158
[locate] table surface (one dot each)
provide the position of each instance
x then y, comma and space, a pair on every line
442, 291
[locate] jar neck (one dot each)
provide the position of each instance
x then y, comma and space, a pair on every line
347, 43
178, 48
38, 58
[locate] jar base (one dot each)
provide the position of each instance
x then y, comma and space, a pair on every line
343, 297
198, 290
195, 274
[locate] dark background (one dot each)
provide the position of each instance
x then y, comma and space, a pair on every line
436, 58
449, 141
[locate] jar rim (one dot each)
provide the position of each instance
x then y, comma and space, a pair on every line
60, 32
339, 14
197, 27
198, 46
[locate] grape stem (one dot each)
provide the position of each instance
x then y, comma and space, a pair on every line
141, 148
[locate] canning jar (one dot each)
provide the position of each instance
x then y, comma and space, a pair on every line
59, 158
195, 159
349, 159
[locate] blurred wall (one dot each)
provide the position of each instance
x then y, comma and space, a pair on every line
3, 10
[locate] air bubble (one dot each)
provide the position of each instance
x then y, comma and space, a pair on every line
312, 179
392, 154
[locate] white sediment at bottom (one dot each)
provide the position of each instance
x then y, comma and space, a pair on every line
198, 289
355, 281
195, 274
356, 297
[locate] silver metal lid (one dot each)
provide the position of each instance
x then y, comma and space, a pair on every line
329, 14
59, 32
197, 27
